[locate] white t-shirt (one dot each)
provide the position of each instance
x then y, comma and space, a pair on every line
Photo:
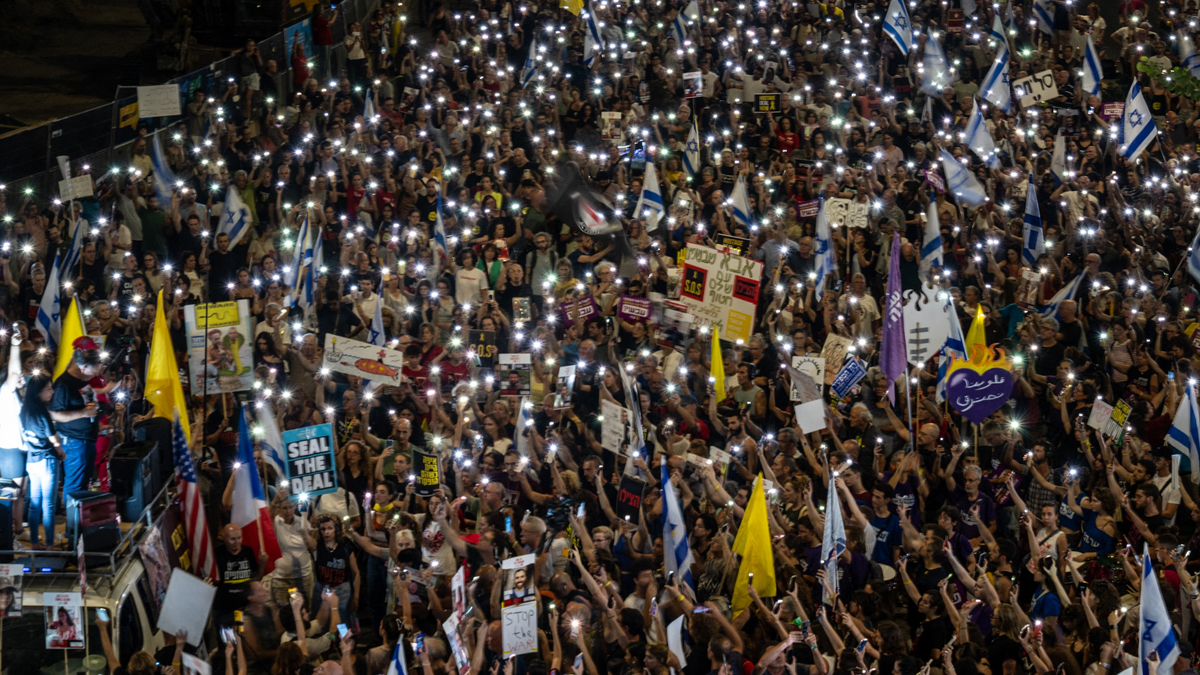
1170, 495
468, 284
338, 504
294, 560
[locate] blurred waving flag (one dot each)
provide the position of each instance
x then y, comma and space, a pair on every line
1033, 243
931, 244
235, 216
1043, 12
1137, 125
1184, 435
741, 203
961, 182
892, 353
677, 554
194, 520
898, 26
753, 544
164, 177
996, 87
1156, 633
593, 42
49, 312
163, 385
956, 346
979, 138
650, 203
72, 330
937, 74
1093, 73
691, 152
250, 501
833, 540
826, 263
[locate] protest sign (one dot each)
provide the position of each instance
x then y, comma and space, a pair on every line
522, 309
462, 658
458, 592
1027, 292
738, 244
519, 623
10, 579
64, 620
954, 21
630, 308
767, 103
811, 416
833, 353
160, 100
311, 464
299, 33
368, 361
408, 99
565, 387
610, 123
846, 212
629, 498
428, 473
616, 431
1101, 413
186, 605
512, 374
1036, 88
693, 84
721, 290
851, 374
1114, 426
79, 187
582, 307
483, 343
220, 346
808, 209
935, 179
1113, 110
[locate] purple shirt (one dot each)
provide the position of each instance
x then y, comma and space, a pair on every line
987, 510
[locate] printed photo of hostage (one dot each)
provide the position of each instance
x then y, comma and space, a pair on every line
11, 597
564, 387
64, 629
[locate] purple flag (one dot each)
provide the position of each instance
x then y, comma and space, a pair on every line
892, 356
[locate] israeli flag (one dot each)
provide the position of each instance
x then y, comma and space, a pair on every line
961, 182
1065, 293
1193, 260
956, 345
1058, 159
304, 253
1092, 72
741, 204
375, 334
650, 204
996, 88
826, 263
898, 26
1010, 19
979, 138
70, 262
1043, 11
1033, 243
677, 554
439, 232
531, 65
398, 665
997, 32
369, 114
593, 43
833, 541
1137, 124
314, 271
49, 314
931, 244
164, 177
235, 216
1187, 54
692, 11
270, 440
1184, 435
937, 73
1156, 634
524, 419
679, 31
691, 152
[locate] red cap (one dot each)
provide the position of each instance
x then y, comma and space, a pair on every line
85, 342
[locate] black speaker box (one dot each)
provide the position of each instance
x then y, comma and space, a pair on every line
93, 515
158, 430
133, 472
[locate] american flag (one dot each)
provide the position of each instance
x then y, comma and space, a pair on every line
205, 564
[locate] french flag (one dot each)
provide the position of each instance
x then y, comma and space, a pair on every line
250, 510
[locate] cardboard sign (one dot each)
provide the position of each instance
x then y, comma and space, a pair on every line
564, 387
427, 471
851, 374
1101, 413
767, 103
483, 343
78, 187
519, 625
513, 374
616, 432
847, 212
377, 364
739, 245
220, 346
1036, 88
158, 101
311, 464
721, 291
811, 416
808, 209
631, 308
629, 498
584, 308
65, 628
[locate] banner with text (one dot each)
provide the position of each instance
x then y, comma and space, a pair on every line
721, 290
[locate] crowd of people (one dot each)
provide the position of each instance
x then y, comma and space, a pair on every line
440, 180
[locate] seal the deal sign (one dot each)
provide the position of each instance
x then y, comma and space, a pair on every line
721, 290
979, 386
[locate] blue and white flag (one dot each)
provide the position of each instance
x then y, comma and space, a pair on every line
1184, 435
1187, 54
979, 138
996, 87
1155, 631
826, 262
531, 64
741, 204
375, 333
692, 11
898, 26
1050, 311
961, 183
931, 243
49, 314
691, 151
677, 554
679, 31
1033, 240
593, 42
270, 441
650, 203
1193, 261
1010, 19
369, 114
956, 345
303, 256
524, 419
70, 262
1058, 159
997, 32
1093, 73
307, 299
1043, 11
833, 541
398, 664
441, 251
937, 74
1137, 125
164, 177
235, 216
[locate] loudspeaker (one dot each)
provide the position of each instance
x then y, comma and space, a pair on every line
158, 430
134, 476
92, 515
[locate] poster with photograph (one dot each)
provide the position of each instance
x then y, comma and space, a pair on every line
616, 431
522, 309
693, 85
64, 620
1027, 292
408, 100
564, 388
11, 595
513, 372
610, 125
220, 346
462, 658
458, 593
518, 578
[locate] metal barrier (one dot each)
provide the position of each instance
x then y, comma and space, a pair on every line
101, 137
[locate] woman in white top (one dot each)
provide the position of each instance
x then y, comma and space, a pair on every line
468, 280
1096, 23
435, 548
293, 569
12, 444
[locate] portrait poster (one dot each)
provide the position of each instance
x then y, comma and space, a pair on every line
220, 347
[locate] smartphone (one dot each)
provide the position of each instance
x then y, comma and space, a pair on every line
342, 631
508, 523
420, 643
227, 635
653, 606
292, 591
699, 610
792, 584
863, 645
581, 511
102, 614
751, 578
578, 660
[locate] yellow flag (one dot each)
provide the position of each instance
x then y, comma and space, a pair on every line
976, 335
753, 543
72, 330
572, 6
718, 368
163, 387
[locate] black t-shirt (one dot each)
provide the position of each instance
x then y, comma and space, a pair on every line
223, 268
37, 428
69, 394
235, 571
931, 634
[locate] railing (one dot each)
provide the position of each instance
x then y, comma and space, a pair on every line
97, 138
